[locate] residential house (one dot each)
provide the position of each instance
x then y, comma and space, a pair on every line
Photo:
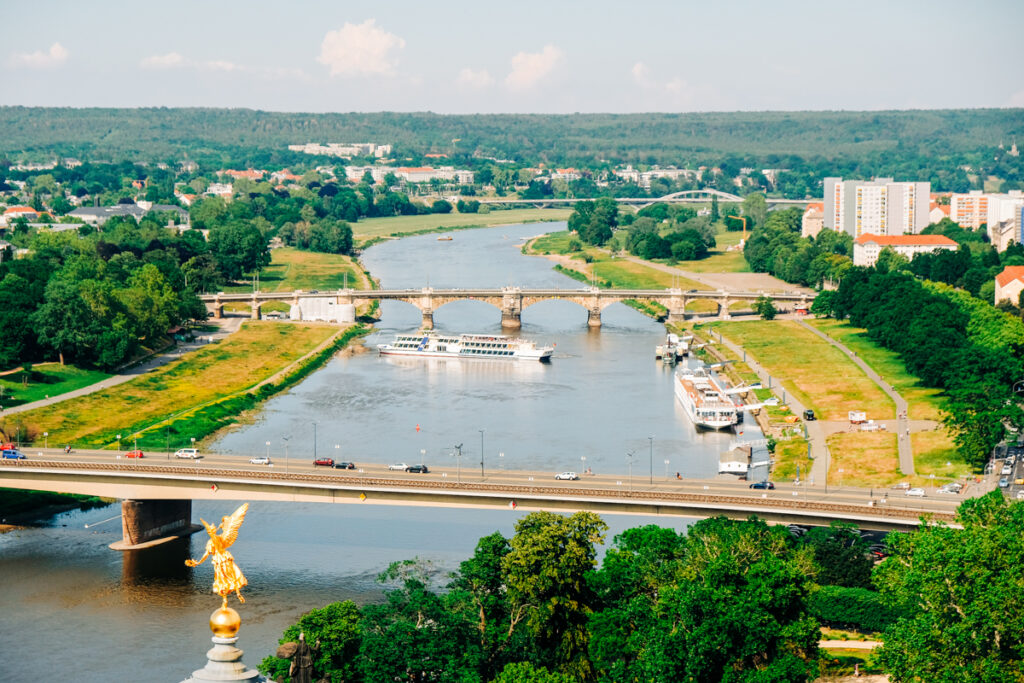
866, 248
1009, 285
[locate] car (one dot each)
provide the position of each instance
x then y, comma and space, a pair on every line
902, 485
763, 485
1020, 494
809, 415
952, 487
567, 476
134, 454
418, 469
398, 466
11, 454
1004, 482
916, 492
187, 453
344, 465
259, 460
1007, 469
323, 462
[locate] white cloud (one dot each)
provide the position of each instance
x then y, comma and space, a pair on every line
642, 75
475, 79
360, 50
529, 68
220, 65
170, 60
55, 56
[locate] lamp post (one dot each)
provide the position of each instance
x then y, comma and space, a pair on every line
46, 439
119, 442
423, 455
629, 459
501, 459
481, 454
268, 451
458, 460
651, 455
285, 439
666, 469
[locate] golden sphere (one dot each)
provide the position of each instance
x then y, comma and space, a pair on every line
225, 622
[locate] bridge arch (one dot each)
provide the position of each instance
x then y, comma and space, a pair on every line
706, 192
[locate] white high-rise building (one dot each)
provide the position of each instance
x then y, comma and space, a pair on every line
878, 207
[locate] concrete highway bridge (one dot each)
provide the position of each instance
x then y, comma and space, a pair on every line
684, 197
157, 492
511, 301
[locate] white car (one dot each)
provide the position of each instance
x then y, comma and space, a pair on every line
950, 488
919, 493
398, 466
567, 476
260, 460
187, 453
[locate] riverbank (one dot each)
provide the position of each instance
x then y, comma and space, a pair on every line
195, 395
369, 231
19, 507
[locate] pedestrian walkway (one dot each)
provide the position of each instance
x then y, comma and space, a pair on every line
906, 452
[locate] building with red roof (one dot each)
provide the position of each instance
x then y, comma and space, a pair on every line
866, 248
813, 219
1009, 284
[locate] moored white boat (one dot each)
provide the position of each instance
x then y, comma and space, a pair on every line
704, 400
487, 346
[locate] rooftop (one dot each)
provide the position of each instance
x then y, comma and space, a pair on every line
1009, 274
907, 240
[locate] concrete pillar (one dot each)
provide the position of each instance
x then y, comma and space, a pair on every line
594, 317
511, 308
677, 309
428, 320
511, 320
150, 522
255, 314
218, 309
723, 309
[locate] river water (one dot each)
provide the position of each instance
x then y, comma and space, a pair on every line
71, 609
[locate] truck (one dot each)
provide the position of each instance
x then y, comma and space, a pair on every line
858, 417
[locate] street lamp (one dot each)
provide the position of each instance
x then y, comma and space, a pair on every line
285, 439
501, 459
423, 455
629, 459
119, 442
666, 469
46, 439
268, 451
481, 454
458, 460
651, 455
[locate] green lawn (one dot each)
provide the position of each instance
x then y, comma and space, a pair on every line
370, 228
292, 269
720, 260
256, 352
47, 379
815, 372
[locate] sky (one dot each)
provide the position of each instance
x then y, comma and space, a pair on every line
514, 57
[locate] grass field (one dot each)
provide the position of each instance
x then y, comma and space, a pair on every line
48, 379
720, 260
816, 373
864, 459
371, 228
292, 269
256, 352
790, 456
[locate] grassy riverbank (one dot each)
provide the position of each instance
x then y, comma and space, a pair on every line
397, 226
195, 395
16, 504
45, 380
292, 269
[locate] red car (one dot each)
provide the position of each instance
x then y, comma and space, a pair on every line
134, 454
324, 462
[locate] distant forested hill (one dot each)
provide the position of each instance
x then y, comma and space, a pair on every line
900, 137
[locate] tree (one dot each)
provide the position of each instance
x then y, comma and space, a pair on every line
334, 634
441, 206
965, 595
545, 573
841, 554
764, 307
524, 672
594, 221
238, 248
756, 208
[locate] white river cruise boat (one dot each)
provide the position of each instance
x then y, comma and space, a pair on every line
437, 345
704, 400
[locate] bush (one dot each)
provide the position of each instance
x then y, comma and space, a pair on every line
856, 608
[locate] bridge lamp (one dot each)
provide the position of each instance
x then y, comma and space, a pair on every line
666, 468
119, 442
268, 450
46, 439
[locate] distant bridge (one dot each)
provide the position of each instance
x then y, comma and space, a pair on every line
684, 197
157, 493
511, 301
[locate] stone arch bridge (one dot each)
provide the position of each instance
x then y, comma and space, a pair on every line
511, 301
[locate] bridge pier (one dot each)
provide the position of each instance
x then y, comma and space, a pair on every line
145, 523
255, 314
428, 320
594, 317
511, 320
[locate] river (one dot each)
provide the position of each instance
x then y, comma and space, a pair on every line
71, 609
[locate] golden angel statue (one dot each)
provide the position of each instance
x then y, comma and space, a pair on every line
227, 577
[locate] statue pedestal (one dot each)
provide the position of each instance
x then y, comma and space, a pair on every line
225, 664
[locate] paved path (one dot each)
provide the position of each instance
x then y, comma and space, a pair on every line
902, 425
227, 326
850, 644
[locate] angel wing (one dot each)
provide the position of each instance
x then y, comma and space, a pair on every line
231, 524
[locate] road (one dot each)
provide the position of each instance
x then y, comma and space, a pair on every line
725, 486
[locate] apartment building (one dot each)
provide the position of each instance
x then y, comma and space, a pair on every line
877, 207
867, 247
